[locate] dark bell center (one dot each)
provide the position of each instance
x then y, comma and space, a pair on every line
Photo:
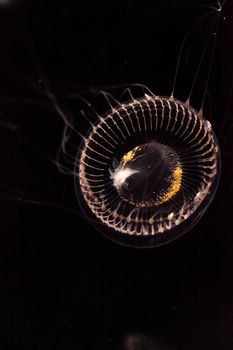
148, 175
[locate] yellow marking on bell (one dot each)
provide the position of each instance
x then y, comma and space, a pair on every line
176, 178
130, 155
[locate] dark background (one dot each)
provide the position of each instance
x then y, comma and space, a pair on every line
65, 286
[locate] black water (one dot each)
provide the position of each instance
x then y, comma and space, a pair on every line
65, 286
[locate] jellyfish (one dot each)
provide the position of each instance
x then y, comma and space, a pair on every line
147, 167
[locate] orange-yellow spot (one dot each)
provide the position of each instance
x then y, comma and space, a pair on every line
176, 178
130, 155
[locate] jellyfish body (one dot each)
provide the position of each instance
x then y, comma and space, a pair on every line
148, 170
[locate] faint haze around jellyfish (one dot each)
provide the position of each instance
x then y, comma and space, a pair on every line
142, 341
9, 3
146, 165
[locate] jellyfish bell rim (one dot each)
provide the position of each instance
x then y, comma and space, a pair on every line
159, 239
143, 242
